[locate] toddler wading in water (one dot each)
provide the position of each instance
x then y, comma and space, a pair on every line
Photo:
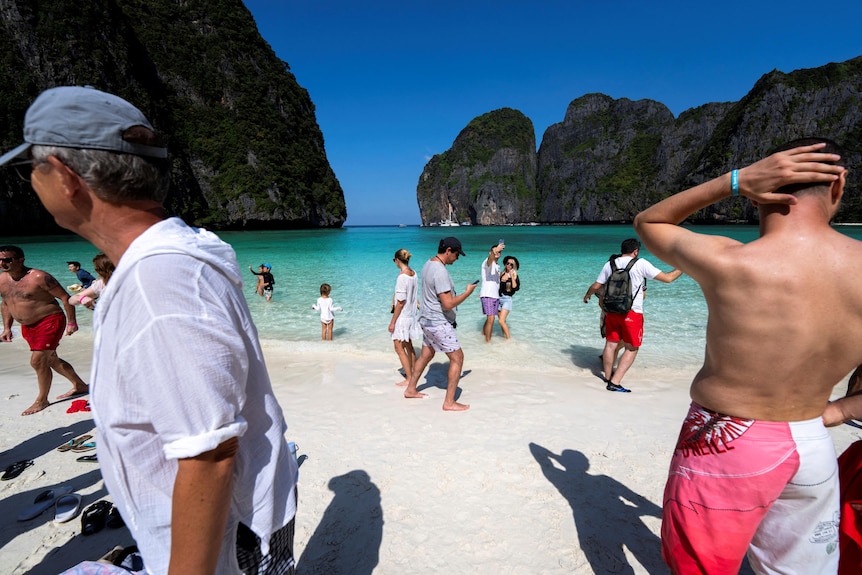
326, 307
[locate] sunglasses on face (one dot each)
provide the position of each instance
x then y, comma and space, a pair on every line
7, 260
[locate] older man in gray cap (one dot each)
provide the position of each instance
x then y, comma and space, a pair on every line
438, 307
191, 437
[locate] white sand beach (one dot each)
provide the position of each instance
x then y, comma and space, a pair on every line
546, 473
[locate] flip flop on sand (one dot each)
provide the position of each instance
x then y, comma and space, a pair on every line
79, 405
74, 443
90, 446
68, 507
94, 458
43, 501
15, 469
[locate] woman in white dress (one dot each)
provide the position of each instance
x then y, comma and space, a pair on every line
404, 313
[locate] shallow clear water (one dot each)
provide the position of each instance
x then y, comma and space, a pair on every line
550, 324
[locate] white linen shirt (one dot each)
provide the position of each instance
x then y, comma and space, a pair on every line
177, 370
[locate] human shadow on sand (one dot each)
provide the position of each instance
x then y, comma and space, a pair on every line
43, 443
347, 540
586, 357
607, 514
438, 376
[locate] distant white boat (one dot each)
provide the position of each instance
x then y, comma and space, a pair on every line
450, 222
402, 225
467, 223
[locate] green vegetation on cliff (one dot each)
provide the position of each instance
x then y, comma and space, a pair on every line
244, 141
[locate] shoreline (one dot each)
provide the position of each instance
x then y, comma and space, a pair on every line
546, 473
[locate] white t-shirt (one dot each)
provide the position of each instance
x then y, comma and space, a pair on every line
326, 307
177, 370
490, 280
641, 271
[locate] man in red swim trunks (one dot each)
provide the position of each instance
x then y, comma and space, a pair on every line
30, 298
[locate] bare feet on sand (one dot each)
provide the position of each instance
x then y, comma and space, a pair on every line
456, 407
414, 395
36, 407
75, 391
402, 383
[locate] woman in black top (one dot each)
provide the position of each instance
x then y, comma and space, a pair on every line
509, 284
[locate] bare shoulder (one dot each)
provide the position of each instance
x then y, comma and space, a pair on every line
41, 278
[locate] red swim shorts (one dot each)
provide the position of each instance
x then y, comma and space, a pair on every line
45, 334
628, 327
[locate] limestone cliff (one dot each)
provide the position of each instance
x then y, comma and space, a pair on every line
245, 146
488, 177
609, 159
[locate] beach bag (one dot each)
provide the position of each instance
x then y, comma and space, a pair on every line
618, 296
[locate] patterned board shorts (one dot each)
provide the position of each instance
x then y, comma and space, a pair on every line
441, 337
279, 560
490, 305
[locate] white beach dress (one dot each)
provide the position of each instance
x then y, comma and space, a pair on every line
406, 288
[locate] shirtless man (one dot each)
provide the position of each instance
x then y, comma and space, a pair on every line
30, 298
754, 467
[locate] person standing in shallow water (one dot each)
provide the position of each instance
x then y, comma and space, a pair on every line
489, 294
30, 298
438, 321
326, 307
265, 281
510, 282
404, 314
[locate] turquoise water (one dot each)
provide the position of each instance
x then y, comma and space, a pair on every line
551, 326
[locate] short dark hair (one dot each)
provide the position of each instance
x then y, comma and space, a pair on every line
630, 245
76, 264
19, 253
830, 148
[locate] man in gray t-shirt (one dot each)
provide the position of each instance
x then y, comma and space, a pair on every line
438, 321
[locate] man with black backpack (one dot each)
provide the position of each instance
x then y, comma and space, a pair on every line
623, 278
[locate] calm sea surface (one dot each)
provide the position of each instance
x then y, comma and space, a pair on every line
550, 324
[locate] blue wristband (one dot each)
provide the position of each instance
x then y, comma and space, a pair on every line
734, 182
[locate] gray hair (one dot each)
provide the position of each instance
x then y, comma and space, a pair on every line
113, 177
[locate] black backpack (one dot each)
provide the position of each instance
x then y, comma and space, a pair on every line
618, 296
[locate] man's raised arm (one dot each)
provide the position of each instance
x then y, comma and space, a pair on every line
657, 225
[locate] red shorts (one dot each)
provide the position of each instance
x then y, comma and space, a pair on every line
629, 328
45, 334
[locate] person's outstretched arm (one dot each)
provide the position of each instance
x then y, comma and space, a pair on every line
668, 277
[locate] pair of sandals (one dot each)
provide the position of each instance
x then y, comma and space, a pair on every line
79, 444
99, 515
66, 505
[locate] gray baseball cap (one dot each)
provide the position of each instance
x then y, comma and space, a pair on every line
82, 117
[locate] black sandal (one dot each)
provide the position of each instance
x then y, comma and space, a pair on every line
94, 517
15, 469
115, 520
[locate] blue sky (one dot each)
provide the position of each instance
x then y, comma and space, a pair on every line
394, 83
